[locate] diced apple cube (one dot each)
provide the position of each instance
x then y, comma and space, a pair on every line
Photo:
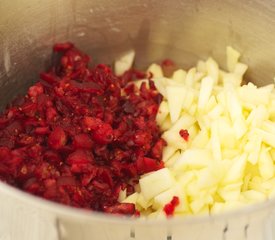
179, 76
240, 69
131, 198
162, 112
184, 122
155, 183
236, 171
174, 139
254, 196
201, 66
232, 57
230, 192
167, 152
156, 70
165, 197
166, 124
207, 84
122, 195
124, 63
142, 202
175, 98
200, 140
215, 141
189, 79
161, 84
239, 127
171, 161
266, 164
194, 159
212, 69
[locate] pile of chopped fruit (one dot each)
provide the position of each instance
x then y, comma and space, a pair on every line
220, 139
80, 135
165, 142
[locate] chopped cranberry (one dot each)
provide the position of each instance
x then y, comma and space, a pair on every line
57, 138
81, 134
82, 140
168, 67
169, 208
184, 134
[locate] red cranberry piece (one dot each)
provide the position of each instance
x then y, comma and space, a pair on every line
62, 47
184, 134
31, 185
103, 134
169, 208
141, 138
168, 67
145, 165
36, 90
51, 113
157, 149
5, 154
52, 157
66, 181
82, 140
42, 130
79, 157
57, 138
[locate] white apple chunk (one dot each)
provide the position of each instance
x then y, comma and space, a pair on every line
167, 152
124, 63
207, 84
175, 98
240, 69
156, 70
155, 183
184, 122
171, 161
236, 171
232, 58
189, 79
166, 124
174, 139
165, 197
162, 112
266, 168
122, 195
212, 69
179, 76
228, 160
194, 159
131, 198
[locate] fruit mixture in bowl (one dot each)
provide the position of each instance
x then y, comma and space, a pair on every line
156, 143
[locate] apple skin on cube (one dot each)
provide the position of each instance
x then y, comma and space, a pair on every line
155, 183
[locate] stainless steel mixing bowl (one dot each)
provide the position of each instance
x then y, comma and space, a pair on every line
178, 29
